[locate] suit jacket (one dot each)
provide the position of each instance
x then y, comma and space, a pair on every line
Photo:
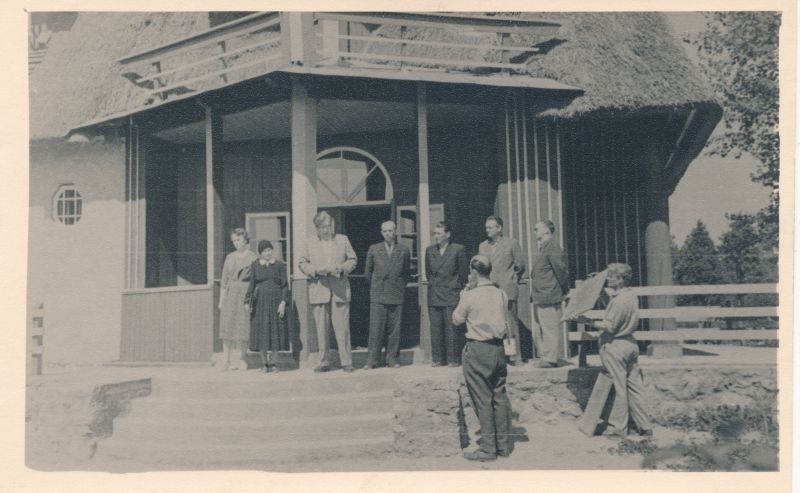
322, 288
508, 263
387, 275
549, 276
447, 274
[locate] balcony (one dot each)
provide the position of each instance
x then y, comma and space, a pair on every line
412, 46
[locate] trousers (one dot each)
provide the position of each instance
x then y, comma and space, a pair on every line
547, 324
485, 372
338, 315
384, 331
446, 339
513, 327
620, 358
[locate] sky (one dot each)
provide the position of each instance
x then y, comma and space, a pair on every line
712, 185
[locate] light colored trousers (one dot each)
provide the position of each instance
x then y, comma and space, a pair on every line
547, 324
620, 358
513, 326
338, 315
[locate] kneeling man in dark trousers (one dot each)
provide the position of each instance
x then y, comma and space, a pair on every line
483, 306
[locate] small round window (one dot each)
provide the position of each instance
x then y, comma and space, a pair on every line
68, 205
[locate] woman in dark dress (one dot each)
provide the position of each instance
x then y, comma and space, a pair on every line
267, 298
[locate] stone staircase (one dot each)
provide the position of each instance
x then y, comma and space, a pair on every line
249, 420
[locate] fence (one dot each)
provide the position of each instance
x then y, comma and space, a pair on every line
693, 314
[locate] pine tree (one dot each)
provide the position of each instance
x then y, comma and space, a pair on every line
698, 262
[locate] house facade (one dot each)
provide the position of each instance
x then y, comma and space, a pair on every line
586, 119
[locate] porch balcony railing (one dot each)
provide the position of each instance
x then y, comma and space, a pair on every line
432, 41
265, 42
243, 48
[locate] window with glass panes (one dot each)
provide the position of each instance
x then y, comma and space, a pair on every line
68, 205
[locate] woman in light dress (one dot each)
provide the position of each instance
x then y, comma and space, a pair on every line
234, 320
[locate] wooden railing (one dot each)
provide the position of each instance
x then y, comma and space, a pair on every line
697, 314
451, 41
264, 42
209, 59
167, 324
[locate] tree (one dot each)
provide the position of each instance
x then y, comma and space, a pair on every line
698, 262
739, 54
746, 257
740, 248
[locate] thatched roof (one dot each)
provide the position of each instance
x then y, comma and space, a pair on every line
622, 61
79, 78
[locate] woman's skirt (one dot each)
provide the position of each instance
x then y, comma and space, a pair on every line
270, 331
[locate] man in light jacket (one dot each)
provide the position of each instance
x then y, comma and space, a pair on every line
329, 258
508, 265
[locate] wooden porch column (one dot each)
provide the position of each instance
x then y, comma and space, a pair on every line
423, 219
215, 236
658, 257
304, 199
136, 210
214, 233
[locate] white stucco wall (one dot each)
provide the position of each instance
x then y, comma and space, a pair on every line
77, 271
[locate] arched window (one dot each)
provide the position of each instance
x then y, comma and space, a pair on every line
350, 176
67, 204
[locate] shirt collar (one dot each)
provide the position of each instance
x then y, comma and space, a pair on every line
616, 292
485, 283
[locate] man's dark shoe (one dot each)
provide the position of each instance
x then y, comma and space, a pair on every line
437, 364
369, 367
544, 364
322, 369
454, 365
646, 433
480, 455
504, 453
349, 369
394, 365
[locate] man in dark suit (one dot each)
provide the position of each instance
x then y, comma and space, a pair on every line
387, 270
549, 285
447, 270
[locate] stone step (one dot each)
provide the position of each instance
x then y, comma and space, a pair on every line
253, 408
232, 385
147, 455
201, 432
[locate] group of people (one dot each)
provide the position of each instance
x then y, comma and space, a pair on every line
481, 294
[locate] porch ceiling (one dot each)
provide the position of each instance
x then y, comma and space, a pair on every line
334, 117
